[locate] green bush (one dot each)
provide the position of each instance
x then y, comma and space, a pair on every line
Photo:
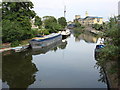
77, 24
15, 43
110, 53
97, 26
44, 32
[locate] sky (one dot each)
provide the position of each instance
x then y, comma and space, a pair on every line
104, 8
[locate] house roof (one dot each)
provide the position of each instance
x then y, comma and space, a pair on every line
93, 17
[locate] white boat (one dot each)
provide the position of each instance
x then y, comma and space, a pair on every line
65, 33
40, 42
100, 41
100, 44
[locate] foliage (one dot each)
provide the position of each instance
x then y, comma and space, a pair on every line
34, 32
38, 21
62, 21
16, 18
105, 26
77, 24
78, 29
15, 43
111, 51
44, 32
51, 24
50, 19
97, 26
14, 10
11, 31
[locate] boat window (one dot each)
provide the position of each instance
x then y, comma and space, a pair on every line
33, 40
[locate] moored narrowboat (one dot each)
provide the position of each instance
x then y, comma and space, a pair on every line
40, 42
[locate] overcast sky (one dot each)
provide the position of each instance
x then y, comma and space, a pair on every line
104, 8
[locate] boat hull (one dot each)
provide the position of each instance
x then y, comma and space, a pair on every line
45, 42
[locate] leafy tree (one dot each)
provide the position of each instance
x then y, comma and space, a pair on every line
38, 21
49, 19
62, 21
16, 18
105, 26
51, 24
77, 24
13, 10
98, 26
43, 32
111, 51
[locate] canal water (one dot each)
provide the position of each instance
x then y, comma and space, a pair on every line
68, 64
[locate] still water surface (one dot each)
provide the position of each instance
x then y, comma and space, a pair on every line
69, 64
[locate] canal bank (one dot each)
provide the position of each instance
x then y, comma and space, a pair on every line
70, 64
113, 78
7, 46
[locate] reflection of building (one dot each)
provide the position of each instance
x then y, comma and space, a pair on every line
89, 20
87, 37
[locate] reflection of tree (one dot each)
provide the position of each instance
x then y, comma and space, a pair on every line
102, 73
55, 48
18, 70
102, 78
118, 72
0, 66
77, 33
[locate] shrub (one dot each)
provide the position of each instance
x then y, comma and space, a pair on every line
15, 43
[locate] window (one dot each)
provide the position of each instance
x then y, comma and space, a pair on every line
98, 20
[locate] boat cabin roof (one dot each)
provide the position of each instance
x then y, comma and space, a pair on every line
46, 36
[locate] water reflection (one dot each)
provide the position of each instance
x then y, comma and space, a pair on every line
90, 38
45, 49
102, 74
63, 44
72, 67
86, 36
18, 70
0, 67
53, 47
